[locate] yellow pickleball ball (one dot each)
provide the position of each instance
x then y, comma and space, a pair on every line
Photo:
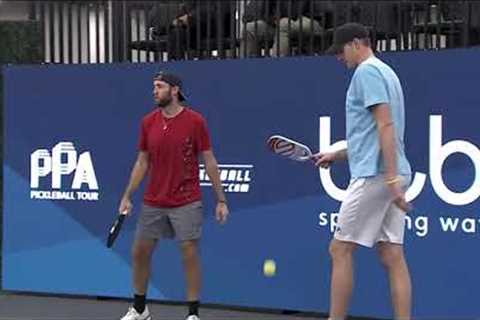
269, 268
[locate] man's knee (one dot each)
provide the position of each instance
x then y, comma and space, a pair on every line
390, 254
341, 249
142, 250
189, 248
285, 24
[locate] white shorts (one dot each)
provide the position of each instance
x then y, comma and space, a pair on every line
368, 214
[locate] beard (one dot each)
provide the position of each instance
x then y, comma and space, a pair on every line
162, 103
166, 100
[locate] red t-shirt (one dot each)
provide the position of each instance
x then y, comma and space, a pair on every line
173, 146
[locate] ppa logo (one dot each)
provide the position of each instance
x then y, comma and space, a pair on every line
438, 154
61, 162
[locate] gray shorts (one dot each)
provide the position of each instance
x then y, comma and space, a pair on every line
182, 223
368, 214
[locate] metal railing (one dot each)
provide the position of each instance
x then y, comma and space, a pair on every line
76, 31
140, 31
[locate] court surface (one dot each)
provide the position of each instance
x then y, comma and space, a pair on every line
37, 307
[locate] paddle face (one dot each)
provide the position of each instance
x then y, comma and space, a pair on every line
289, 148
115, 230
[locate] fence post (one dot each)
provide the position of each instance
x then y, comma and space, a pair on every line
119, 30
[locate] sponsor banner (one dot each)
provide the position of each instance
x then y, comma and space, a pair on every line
235, 177
71, 141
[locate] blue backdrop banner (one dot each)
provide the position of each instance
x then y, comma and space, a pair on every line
71, 140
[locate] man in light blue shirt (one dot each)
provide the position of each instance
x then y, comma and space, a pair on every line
373, 211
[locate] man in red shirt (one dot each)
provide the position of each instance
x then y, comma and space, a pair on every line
172, 138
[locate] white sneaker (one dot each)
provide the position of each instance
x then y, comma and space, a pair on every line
133, 314
193, 317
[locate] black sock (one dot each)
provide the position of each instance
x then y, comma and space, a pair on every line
193, 307
139, 303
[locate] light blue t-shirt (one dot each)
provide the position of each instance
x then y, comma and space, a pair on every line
373, 82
